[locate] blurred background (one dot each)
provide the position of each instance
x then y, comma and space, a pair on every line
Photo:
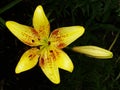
101, 19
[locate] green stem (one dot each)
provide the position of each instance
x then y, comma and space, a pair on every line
118, 60
2, 22
114, 41
10, 5
118, 76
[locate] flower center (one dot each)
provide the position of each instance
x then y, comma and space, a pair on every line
46, 44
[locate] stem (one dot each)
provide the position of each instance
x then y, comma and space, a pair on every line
114, 41
2, 22
118, 76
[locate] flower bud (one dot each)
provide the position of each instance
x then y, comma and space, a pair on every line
93, 51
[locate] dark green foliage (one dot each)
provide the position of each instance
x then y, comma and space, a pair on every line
101, 19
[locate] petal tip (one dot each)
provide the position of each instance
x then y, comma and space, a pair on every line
56, 82
7, 23
82, 30
40, 7
17, 71
72, 68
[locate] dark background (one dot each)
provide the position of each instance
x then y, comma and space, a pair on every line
101, 19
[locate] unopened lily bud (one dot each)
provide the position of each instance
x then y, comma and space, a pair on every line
93, 51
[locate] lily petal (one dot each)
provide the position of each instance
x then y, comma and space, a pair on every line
62, 37
24, 33
40, 22
94, 51
53, 59
28, 60
49, 67
63, 61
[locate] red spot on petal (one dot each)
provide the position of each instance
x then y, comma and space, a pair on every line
42, 61
34, 31
39, 39
31, 56
33, 41
51, 51
53, 54
61, 45
49, 42
55, 32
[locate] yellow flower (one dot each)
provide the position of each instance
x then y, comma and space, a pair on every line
45, 48
93, 51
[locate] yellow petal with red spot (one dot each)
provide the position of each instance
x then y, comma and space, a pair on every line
24, 33
63, 61
62, 37
40, 22
28, 60
49, 67
94, 51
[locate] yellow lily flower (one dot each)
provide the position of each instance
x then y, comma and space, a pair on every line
47, 49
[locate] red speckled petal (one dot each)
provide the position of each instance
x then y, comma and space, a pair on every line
28, 60
41, 23
49, 67
63, 61
24, 33
62, 37
53, 59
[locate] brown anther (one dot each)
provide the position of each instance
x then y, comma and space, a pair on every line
49, 42
33, 41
